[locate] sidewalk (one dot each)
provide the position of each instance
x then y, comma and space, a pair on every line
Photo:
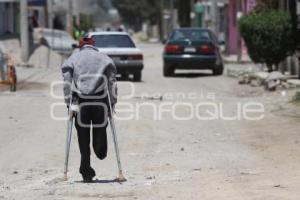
233, 59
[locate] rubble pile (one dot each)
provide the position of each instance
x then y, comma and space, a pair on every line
270, 81
256, 76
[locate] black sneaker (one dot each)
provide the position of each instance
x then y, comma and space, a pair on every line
87, 174
88, 179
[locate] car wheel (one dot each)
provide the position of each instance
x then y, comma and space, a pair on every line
168, 71
218, 70
137, 76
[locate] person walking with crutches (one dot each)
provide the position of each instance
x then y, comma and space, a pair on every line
89, 80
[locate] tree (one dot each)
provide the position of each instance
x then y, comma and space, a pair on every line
295, 21
184, 10
267, 35
134, 13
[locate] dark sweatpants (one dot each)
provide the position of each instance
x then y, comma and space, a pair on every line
95, 117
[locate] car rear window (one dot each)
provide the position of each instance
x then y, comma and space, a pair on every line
193, 35
113, 41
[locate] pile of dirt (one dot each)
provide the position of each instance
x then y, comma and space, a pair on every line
44, 57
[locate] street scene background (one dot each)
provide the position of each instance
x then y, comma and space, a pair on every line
227, 157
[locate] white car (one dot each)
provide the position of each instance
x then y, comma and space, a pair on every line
121, 49
57, 40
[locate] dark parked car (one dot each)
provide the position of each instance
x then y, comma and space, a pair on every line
192, 48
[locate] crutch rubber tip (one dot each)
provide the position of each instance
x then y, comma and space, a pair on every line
121, 178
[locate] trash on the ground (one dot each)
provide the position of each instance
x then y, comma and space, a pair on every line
244, 79
197, 169
150, 177
151, 98
276, 185
279, 186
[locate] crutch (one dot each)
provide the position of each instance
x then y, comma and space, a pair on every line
121, 177
69, 138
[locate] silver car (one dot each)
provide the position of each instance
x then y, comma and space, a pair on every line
121, 48
57, 40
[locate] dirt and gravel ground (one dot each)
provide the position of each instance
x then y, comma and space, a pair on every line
163, 159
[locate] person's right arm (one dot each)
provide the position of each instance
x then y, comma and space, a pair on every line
67, 72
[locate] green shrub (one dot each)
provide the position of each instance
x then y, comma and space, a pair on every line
268, 36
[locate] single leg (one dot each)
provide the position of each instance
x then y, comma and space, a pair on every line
84, 145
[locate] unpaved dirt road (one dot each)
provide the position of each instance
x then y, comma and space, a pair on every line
163, 159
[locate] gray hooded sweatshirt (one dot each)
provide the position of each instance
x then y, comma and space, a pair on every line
87, 72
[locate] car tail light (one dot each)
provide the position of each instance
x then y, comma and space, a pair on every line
173, 49
206, 49
135, 57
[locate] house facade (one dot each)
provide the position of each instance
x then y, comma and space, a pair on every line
9, 17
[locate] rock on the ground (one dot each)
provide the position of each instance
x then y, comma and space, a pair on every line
273, 76
262, 75
274, 80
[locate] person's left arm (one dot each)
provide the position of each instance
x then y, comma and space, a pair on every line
111, 72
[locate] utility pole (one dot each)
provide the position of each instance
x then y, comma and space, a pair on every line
70, 17
24, 31
172, 15
50, 13
239, 38
214, 16
162, 30
76, 7
192, 13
